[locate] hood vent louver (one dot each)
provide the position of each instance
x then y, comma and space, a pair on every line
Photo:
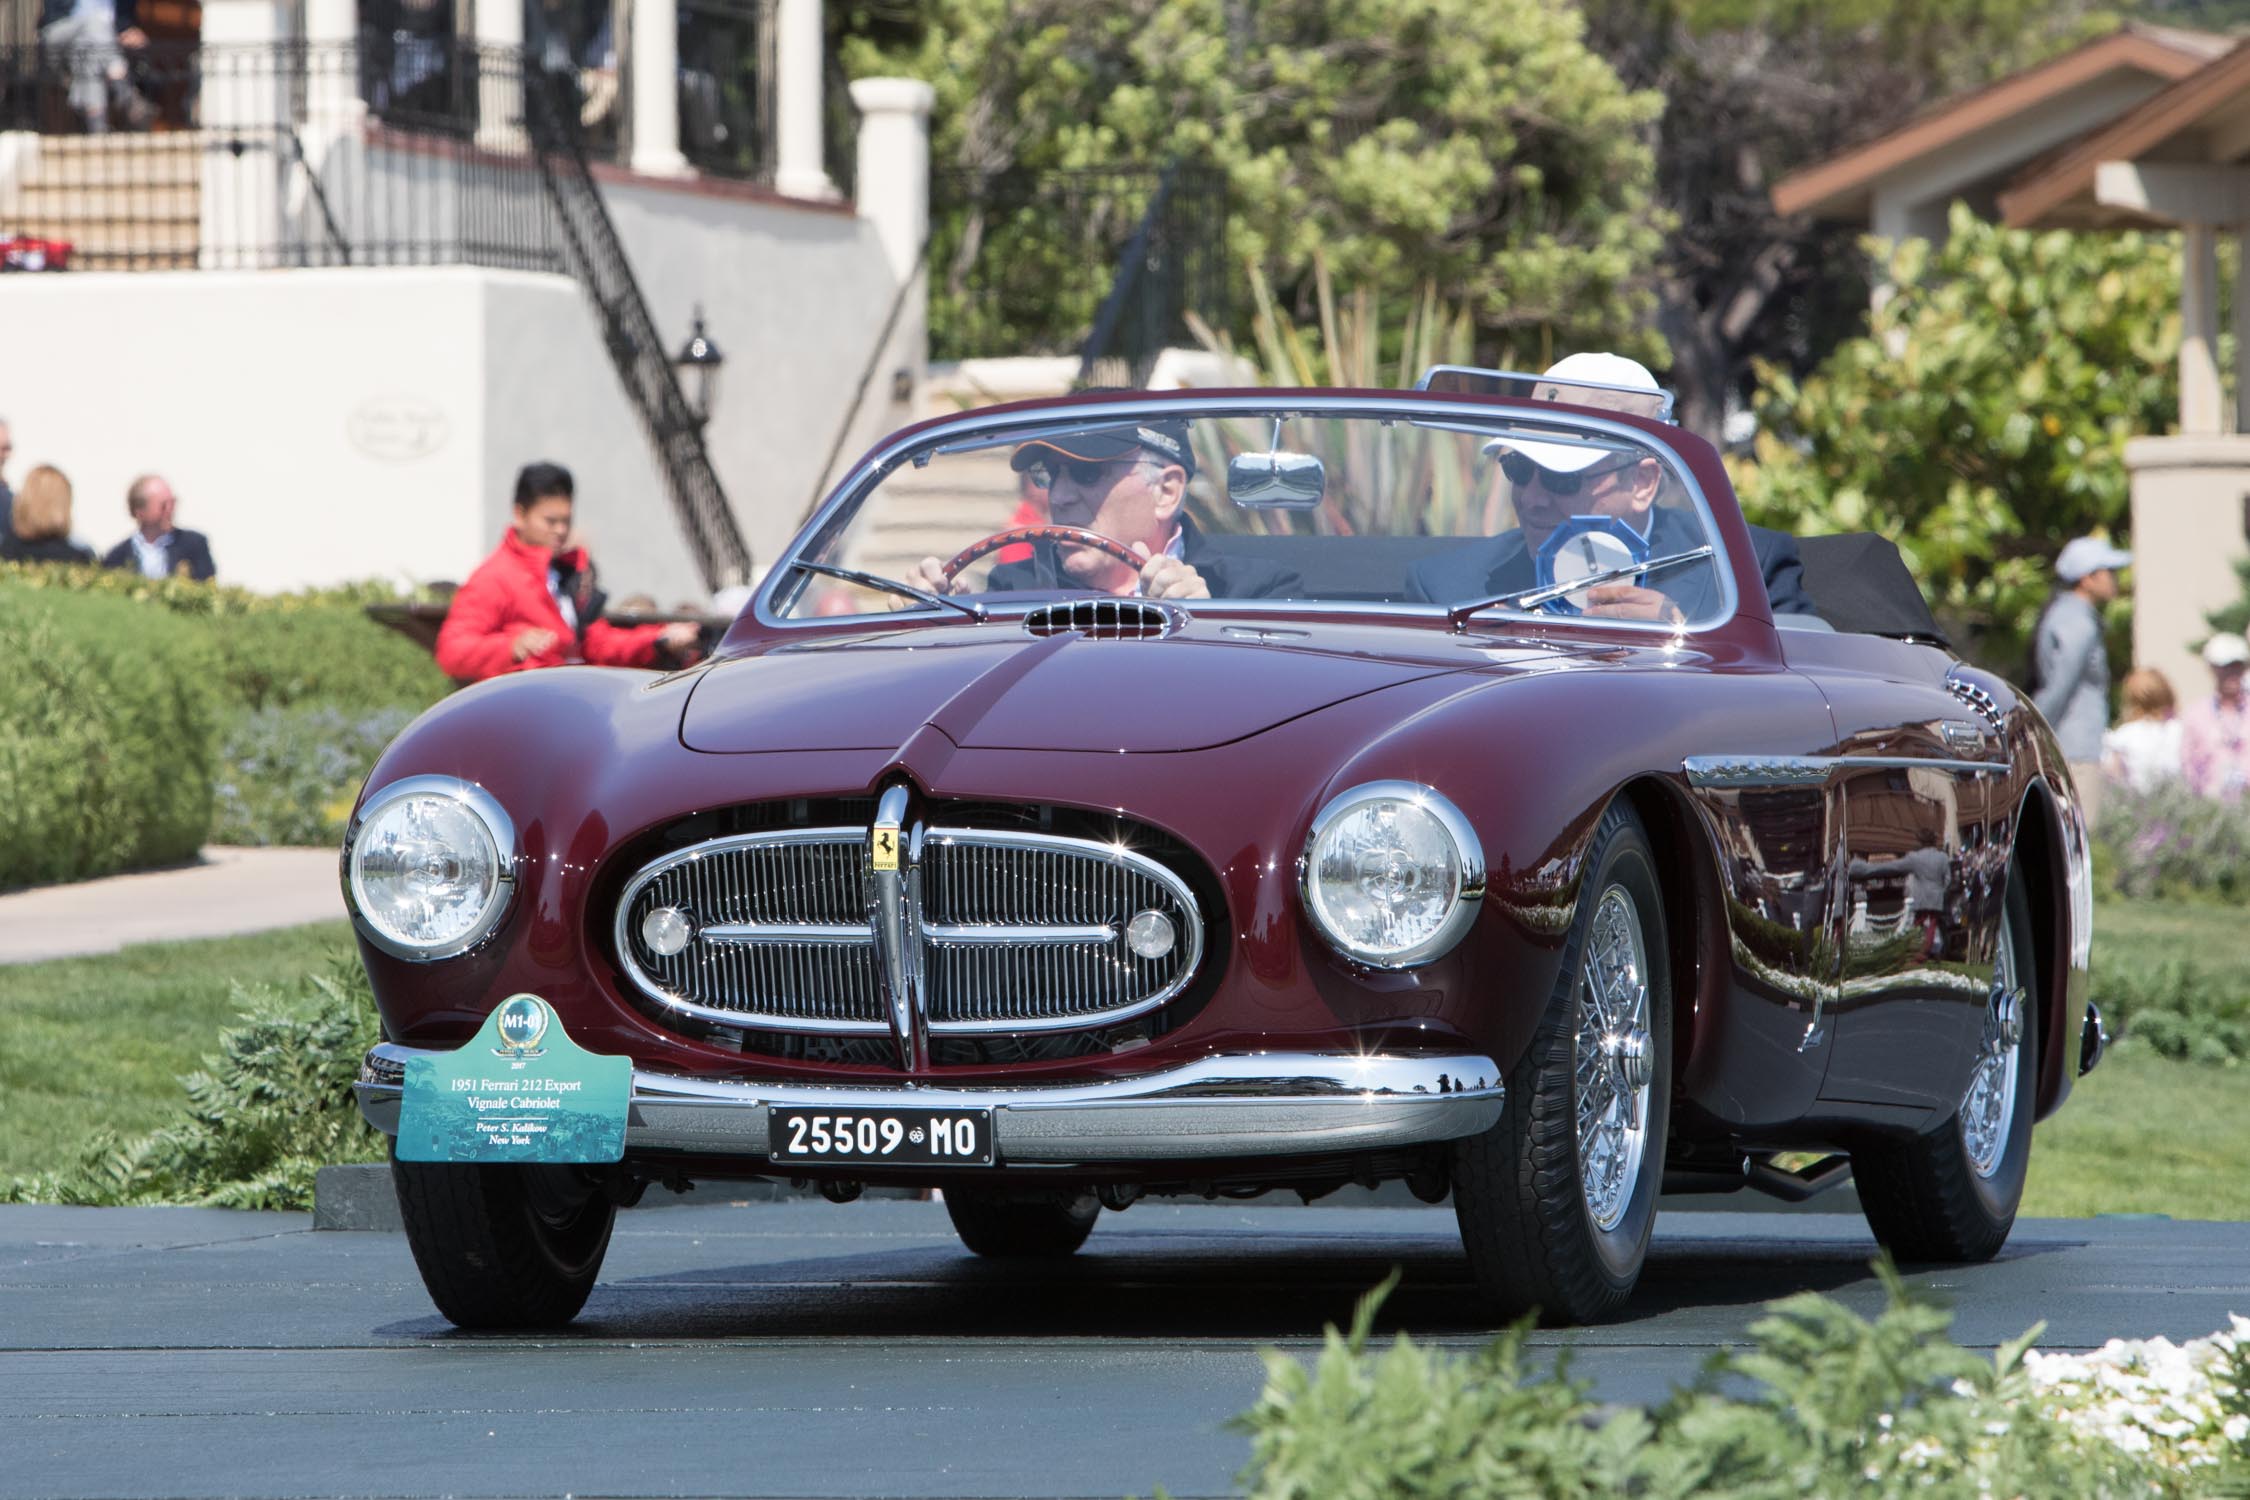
1103, 619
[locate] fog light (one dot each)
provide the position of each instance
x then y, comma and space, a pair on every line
1149, 934
667, 931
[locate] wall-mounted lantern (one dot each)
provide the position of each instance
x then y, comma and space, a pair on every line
698, 363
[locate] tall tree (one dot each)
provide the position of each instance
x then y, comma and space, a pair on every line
1754, 89
1982, 422
1475, 145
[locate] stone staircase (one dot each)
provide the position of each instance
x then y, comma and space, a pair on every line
125, 202
935, 511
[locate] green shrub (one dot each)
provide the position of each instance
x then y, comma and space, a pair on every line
106, 737
2175, 1006
288, 775
317, 645
272, 1108
2170, 842
115, 691
1836, 1405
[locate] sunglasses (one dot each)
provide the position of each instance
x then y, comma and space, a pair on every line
1083, 471
1520, 470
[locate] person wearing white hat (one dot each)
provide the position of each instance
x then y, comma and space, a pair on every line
1552, 482
2215, 732
2070, 663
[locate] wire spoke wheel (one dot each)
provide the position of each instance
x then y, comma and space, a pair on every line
1988, 1109
1612, 1059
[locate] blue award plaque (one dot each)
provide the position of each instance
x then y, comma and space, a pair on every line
1583, 546
520, 1091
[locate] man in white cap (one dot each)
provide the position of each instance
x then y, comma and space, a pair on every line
2069, 663
1552, 482
2215, 731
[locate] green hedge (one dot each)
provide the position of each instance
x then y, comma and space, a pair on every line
128, 704
107, 736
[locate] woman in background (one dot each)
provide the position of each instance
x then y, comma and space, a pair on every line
39, 528
2143, 751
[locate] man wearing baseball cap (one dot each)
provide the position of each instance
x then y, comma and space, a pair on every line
1552, 482
2069, 663
1128, 482
2215, 731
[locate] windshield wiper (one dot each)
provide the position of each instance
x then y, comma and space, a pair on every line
893, 586
1531, 598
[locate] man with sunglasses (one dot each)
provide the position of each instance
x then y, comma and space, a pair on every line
1553, 482
1128, 483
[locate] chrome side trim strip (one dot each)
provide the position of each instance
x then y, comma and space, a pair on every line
1242, 1105
1734, 771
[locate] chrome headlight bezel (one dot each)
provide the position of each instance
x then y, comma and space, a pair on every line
498, 826
1467, 850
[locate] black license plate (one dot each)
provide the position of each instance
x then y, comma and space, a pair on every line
880, 1137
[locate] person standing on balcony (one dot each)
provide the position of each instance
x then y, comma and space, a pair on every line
158, 549
93, 37
533, 603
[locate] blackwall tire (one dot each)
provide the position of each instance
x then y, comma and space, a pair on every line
1041, 1227
1930, 1198
1554, 1215
496, 1248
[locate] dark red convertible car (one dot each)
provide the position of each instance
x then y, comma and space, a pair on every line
1338, 787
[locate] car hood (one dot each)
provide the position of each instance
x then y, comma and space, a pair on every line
993, 687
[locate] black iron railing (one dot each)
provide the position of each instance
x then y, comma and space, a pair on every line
366, 154
593, 254
1026, 263
1174, 264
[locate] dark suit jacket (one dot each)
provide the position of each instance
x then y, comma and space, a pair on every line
192, 548
1502, 564
53, 549
1230, 575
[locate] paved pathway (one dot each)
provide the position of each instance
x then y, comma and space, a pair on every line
228, 891
802, 1348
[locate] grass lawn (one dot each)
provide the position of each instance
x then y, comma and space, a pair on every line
88, 1044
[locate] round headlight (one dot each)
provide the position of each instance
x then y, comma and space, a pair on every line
1392, 874
429, 867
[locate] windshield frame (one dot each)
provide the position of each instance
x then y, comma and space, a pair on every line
993, 427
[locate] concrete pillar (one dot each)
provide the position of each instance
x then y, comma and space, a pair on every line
655, 60
2189, 499
893, 191
244, 98
334, 136
2199, 331
499, 26
2241, 331
799, 61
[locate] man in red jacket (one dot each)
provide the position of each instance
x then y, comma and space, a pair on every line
533, 604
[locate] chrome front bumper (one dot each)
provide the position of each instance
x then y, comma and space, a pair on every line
1253, 1104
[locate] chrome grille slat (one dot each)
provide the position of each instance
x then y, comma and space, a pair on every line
1015, 932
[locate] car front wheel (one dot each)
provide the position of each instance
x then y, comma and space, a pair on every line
1030, 1226
1557, 1200
504, 1246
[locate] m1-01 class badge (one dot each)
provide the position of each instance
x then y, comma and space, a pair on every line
520, 1091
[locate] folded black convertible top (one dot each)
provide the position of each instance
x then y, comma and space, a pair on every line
1858, 582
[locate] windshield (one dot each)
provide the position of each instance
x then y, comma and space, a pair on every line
1439, 509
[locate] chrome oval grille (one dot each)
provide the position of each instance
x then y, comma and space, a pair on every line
1006, 931
1026, 931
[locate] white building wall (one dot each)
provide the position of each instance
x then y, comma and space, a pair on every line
795, 296
323, 426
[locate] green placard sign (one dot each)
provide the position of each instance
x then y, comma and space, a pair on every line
521, 1091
